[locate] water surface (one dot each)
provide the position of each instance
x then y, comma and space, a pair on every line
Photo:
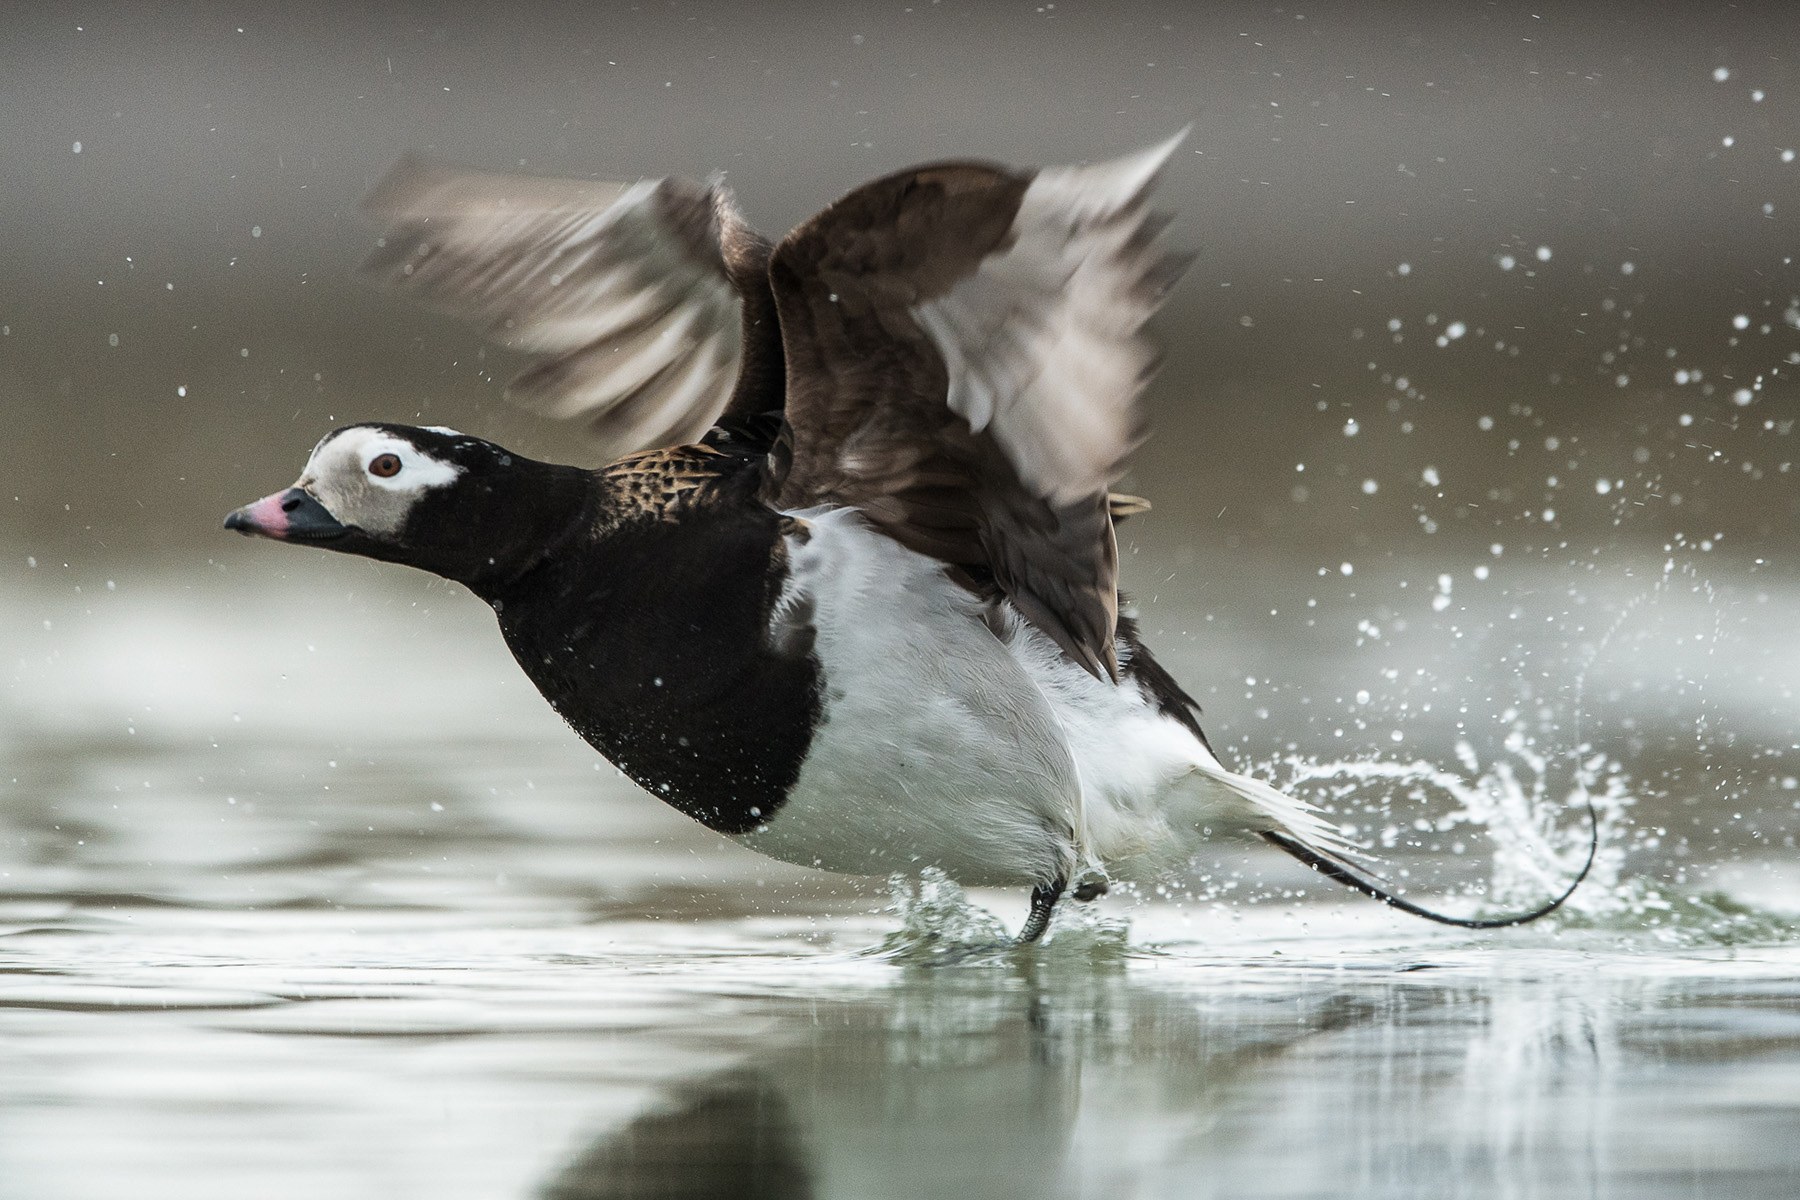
305, 897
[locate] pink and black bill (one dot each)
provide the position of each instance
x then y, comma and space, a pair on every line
294, 515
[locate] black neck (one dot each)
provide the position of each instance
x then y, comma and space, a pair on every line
534, 510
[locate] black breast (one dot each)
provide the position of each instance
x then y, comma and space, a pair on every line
653, 641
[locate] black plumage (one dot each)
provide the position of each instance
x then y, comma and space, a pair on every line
649, 631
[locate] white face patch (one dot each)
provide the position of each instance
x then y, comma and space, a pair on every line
350, 475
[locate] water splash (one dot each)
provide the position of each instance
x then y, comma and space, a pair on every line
1532, 813
939, 923
1709, 918
941, 926
1538, 840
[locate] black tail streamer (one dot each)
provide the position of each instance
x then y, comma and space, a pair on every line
1341, 872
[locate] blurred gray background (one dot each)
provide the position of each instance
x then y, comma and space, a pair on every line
1488, 351
182, 180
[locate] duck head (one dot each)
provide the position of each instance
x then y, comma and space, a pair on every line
431, 498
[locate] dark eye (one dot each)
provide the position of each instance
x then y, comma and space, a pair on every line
385, 466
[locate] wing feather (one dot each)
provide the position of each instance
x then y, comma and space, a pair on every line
965, 354
640, 300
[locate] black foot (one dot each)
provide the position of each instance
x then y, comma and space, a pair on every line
1043, 903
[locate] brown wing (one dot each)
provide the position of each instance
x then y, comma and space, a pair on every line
964, 357
648, 302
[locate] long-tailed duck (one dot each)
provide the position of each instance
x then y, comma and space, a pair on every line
850, 595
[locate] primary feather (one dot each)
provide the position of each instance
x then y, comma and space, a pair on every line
627, 294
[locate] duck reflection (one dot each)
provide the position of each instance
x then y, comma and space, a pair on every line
1046, 1080
727, 1135
994, 1081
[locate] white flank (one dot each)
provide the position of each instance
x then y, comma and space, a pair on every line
996, 759
935, 750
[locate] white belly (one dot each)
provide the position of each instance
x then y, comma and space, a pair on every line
935, 748
994, 758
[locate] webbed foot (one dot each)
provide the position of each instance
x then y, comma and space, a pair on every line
1043, 902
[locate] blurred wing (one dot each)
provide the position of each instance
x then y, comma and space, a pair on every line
633, 294
965, 353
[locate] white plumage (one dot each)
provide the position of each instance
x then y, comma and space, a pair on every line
996, 759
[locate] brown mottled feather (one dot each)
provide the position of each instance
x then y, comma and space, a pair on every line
659, 484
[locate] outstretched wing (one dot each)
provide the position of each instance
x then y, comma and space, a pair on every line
965, 352
648, 302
